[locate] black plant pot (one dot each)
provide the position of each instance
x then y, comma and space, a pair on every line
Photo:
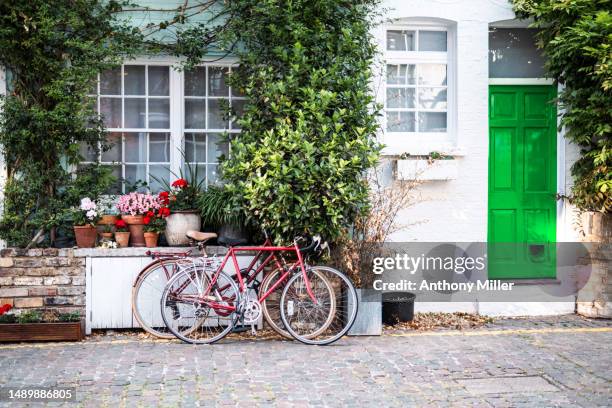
232, 232
397, 307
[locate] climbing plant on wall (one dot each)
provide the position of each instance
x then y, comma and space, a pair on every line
576, 37
52, 51
309, 125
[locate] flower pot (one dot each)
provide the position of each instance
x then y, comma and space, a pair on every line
151, 239
122, 238
177, 225
108, 219
85, 236
136, 226
369, 315
107, 235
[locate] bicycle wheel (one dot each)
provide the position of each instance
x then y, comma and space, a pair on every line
308, 321
270, 306
147, 292
196, 311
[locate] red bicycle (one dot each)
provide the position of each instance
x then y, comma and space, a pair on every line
202, 303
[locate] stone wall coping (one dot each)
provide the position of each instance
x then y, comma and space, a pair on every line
142, 252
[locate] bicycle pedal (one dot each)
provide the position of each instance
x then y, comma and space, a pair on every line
241, 329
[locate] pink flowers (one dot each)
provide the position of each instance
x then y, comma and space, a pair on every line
137, 203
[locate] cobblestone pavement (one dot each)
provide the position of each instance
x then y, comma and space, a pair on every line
524, 362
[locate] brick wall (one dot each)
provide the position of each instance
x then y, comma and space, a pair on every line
49, 280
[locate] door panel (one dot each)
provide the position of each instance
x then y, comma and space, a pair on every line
522, 182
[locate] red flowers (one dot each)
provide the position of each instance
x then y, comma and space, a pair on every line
163, 212
120, 224
5, 308
180, 183
164, 197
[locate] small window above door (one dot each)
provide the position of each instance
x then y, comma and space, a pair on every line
513, 54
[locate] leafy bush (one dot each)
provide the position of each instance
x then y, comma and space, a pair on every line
309, 125
576, 37
215, 208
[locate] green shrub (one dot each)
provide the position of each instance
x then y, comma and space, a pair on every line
309, 125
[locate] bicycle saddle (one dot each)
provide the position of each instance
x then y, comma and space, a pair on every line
200, 236
226, 241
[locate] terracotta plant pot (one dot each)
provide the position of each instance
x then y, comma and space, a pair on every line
108, 219
107, 235
122, 238
136, 226
151, 239
85, 236
177, 225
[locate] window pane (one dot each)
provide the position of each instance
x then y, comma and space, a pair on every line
195, 147
238, 109
115, 188
114, 153
432, 74
213, 174
88, 152
159, 113
194, 114
400, 121
216, 147
513, 54
159, 82
135, 147
400, 74
216, 81
200, 169
135, 112
432, 41
216, 114
110, 109
110, 82
135, 173
400, 98
432, 122
160, 172
195, 82
134, 81
400, 40
432, 98
159, 147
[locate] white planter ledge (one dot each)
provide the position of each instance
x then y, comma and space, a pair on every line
142, 252
423, 170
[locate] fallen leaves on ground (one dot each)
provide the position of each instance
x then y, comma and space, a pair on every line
441, 321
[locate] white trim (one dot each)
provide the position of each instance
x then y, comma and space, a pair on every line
3, 173
521, 81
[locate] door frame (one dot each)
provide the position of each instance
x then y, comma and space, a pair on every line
562, 210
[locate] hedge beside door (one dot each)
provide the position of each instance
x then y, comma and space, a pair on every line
522, 182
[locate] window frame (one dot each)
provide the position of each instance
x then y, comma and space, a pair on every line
176, 97
420, 142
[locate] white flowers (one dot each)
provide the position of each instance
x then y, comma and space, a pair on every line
87, 204
91, 214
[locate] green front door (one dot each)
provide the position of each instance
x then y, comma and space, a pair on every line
522, 182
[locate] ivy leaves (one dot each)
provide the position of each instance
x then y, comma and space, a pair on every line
576, 37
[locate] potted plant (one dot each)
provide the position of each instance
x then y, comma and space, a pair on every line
133, 206
155, 224
122, 235
84, 218
215, 209
107, 232
108, 212
29, 326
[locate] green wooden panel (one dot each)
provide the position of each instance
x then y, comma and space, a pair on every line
522, 182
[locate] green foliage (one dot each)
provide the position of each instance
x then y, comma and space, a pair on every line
52, 51
216, 209
183, 197
576, 36
69, 317
309, 123
31, 316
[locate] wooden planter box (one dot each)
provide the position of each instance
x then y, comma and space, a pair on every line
63, 331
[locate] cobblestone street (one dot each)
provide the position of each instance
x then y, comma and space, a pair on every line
536, 363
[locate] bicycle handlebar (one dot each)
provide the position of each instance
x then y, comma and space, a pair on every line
316, 242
